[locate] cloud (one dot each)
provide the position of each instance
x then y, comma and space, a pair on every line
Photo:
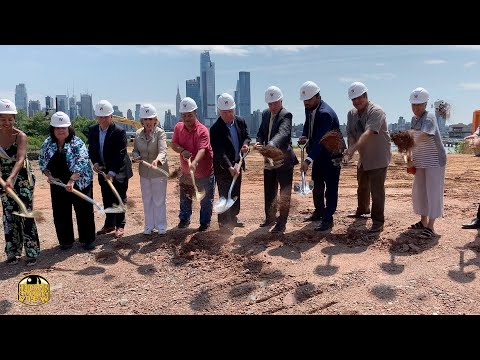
231, 50
472, 47
469, 64
366, 77
470, 86
239, 50
291, 48
434, 62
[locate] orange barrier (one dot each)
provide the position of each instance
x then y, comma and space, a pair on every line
476, 120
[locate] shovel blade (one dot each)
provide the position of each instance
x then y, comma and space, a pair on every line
199, 195
220, 205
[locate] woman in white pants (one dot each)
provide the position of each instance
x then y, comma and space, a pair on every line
429, 159
150, 145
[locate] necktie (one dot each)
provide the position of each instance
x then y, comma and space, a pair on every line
272, 116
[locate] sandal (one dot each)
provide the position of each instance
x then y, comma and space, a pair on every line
417, 226
427, 233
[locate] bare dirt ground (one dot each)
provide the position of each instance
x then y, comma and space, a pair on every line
254, 272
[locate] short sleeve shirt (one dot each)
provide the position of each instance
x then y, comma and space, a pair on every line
376, 153
196, 139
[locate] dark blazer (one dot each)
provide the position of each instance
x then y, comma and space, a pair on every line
281, 135
222, 143
325, 120
114, 151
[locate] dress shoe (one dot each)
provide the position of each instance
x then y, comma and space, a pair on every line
203, 227
313, 217
267, 223
66, 246
31, 261
278, 229
106, 230
474, 224
183, 224
238, 224
119, 233
324, 226
358, 214
89, 245
376, 228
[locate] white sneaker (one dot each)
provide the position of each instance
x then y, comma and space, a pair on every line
147, 232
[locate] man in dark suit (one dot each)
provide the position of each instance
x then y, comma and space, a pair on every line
319, 119
275, 130
228, 136
107, 145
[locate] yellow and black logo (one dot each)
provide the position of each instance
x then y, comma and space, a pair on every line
33, 290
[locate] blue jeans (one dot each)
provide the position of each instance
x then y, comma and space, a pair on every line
206, 205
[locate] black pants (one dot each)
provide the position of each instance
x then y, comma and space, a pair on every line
325, 188
62, 202
272, 178
117, 219
478, 212
224, 181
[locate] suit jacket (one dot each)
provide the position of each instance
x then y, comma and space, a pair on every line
325, 120
114, 151
281, 135
222, 143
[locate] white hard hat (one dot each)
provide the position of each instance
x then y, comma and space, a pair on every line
356, 89
60, 119
103, 108
187, 105
419, 96
273, 94
7, 107
308, 90
147, 111
225, 102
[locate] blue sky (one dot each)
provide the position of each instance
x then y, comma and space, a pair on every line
130, 74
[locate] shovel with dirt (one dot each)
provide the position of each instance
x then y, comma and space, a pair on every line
305, 187
223, 204
199, 195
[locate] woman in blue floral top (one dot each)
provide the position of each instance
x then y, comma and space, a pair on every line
64, 156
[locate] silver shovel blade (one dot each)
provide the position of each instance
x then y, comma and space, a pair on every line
220, 205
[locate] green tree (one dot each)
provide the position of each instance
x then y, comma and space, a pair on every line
81, 124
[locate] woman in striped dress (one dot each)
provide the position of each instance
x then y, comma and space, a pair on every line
429, 158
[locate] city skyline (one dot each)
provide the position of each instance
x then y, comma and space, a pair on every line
127, 75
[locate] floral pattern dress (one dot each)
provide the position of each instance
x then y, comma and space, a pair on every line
18, 230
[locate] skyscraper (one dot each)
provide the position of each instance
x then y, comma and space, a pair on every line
49, 102
207, 88
33, 107
192, 90
178, 100
169, 121
21, 98
62, 103
244, 107
129, 114
86, 107
73, 107
137, 112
